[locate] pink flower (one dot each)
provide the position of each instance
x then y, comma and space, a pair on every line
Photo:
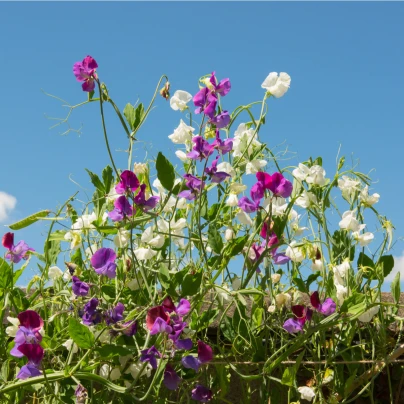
85, 72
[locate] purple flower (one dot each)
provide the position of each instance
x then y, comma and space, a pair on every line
221, 120
103, 261
224, 146
185, 344
91, 315
129, 182
114, 315
276, 183
129, 328
140, 199
79, 288
150, 355
171, 378
257, 192
122, 209
280, 258
201, 150
302, 314
223, 87
201, 393
17, 252
155, 313
205, 354
293, 326
28, 331
85, 71
34, 354
326, 308
160, 326
195, 186
81, 394
216, 176
206, 102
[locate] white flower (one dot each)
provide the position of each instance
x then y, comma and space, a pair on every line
232, 200
90, 250
121, 240
223, 293
226, 167
342, 292
84, 222
112, 195
135, 283
366, 199
283, 299
307, 393
341, 271
294, 253
367, 316
254, 166
316, 176
237, 188
278, 205
115, 374
74, 237
244, 218
11, 330
68, 345
277, 85
348, 186
306, 200
236, 283
349, 221
275, 278
182, 155
182, 134
317, 265
104, 371
295, 224
244, 138
143, 254
140, 168
363, 239
147, 237
271, 308
301, 172
180, 100
229, 234
175, 228
55, 272
135, 368
66, 276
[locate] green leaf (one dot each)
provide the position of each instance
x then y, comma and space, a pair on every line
29, 220
395, 288
164, 276
235, 246
51, 251
386, 263
191, 283
165, 172
58, 235
19, 272
6, 276
215, 239
288, 377
80, 334
258, 316
107, 178
96, 181
109, 351
133, 116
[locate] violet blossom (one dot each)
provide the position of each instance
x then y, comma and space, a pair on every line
327, 307
216, 176
114, 315
129, 183
205, 354
129, 328
81, 394
276, 183
103, 262
221, 120
223, 146
201, 393
195, 186
296, 324
171, 378
85, 72
79, 287
122, 209
150, 355
34, 354
91, 315
17, 252
201, 149
142, 202
257, 192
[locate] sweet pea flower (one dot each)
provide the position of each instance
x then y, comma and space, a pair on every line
195, 186
180, 100
327, 307
257, 192
306, 200
150, 355
295, 253
296, 324
81, 394
348, 186
30, 324
55, 272
129, 328
201, 393
363, 239
114, 315
79, 287
276, 183
103, 262
349, 222
155, 313
216, 176
205, 354
277, 85
221, 120
34, 353
91, 315
182, 134
206, 102
17, 252
254, 166
307, 393
129, 183
223, 88
201, 150
223, 146
85, 72
171, 378
366, 199
142, 202
122, 209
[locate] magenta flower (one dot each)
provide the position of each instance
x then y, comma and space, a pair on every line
201, 150
17, 252
206, 102
91, 315
205, 354
34, 354
155, 313
150, 355
79, 287
195, 186
103, 262
223, 88
276, 183
142, 202
223, 146
302, 314
28, 331
129, 183
182, 308
221, 120
257, 192
201, 393
122, 209
326, 308
171, 378
85, 72
114, 315
216, 176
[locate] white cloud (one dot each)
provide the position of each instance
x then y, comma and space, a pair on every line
7, 204
398, 267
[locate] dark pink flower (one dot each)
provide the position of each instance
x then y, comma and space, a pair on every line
34, 354
142, 202
205, 354
276, 183
154, 313
129, 183
302, 314
85, 72
17, 252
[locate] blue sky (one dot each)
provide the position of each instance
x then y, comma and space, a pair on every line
345, 59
